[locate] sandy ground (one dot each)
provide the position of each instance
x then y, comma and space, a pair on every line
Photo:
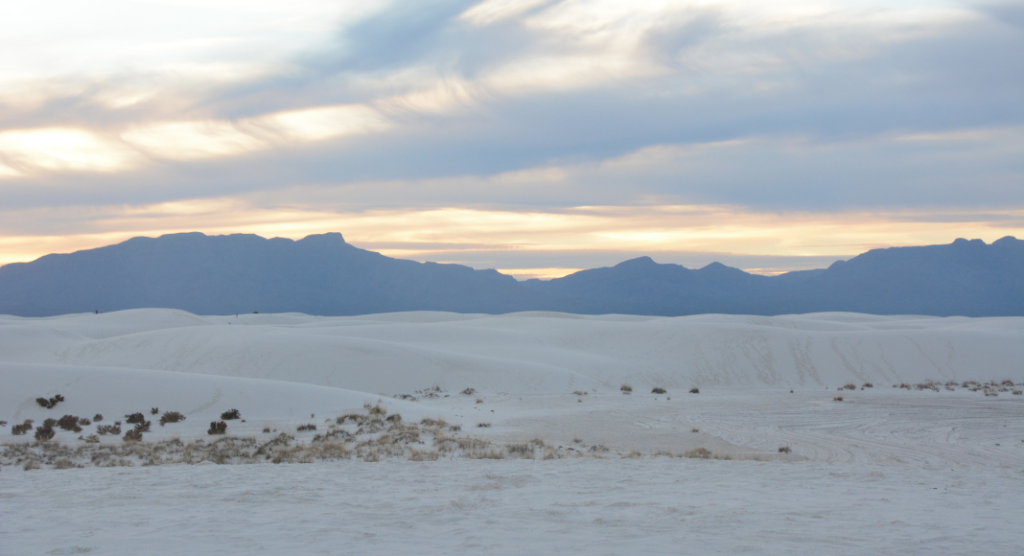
886, 470
660, 506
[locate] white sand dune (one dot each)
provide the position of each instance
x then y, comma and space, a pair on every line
530, 353
887, 470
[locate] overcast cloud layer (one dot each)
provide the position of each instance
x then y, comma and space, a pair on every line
536, 136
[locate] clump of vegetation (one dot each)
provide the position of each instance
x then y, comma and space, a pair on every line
867, 385
231, 414
658, 390
92, 439
483, 425
785, 449
626, 389
171, 417
848, 386
377, 410
266, 430
69, 423
396, 418
479, 400
133, 435
1017, 392
309, 427
3, 423
51, 402
44, 434
154, 410
837, 399
109, 429
21, 429
695, 390
135, 418
97, 418
579, 393
468, 392
694, 430
218, 427
699, 453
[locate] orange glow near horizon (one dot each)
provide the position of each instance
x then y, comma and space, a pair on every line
441, 234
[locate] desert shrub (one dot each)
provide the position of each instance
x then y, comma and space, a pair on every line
699, 453
92, 439
44, 433
785, 449
377, 410
694, 429
396, 418
483, 425
22, 428
49, 423
135, 418
97, 418
658, 390
69, 423
837, 399
599, 448
143, 426
171, 417
468, 392
626, 389
579, 393
108, 429
132, 436
266, 430
848, 386
218, 427
84, 421
49, 403
868, 385
423, 455
231, 414
695, 390
1006, 382
154, 410
303, 428
3, 423
1017, 392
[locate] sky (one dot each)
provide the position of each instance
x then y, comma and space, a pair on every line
537, 137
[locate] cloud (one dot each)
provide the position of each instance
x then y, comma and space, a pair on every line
511, 107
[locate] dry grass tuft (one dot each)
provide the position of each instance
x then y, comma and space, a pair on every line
626, 389
659, 390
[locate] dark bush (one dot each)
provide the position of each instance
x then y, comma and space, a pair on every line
22, 428
143, 426
49, 403
231, 414
49, 423
869, 385
171, 417
468, 392
135, 418
109, 429
837, 399
396, 418
132, 436
658, 391
84, 421
3, 423
483, 425
44, 433
695, 390
303, 428
69, 423
785, 449
154, 410
91, 439
218, 427
626, 389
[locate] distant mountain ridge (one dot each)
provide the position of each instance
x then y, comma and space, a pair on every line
324, 275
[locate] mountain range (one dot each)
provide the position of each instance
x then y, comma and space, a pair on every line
324, 275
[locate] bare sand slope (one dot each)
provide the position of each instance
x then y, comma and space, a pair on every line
530, 353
